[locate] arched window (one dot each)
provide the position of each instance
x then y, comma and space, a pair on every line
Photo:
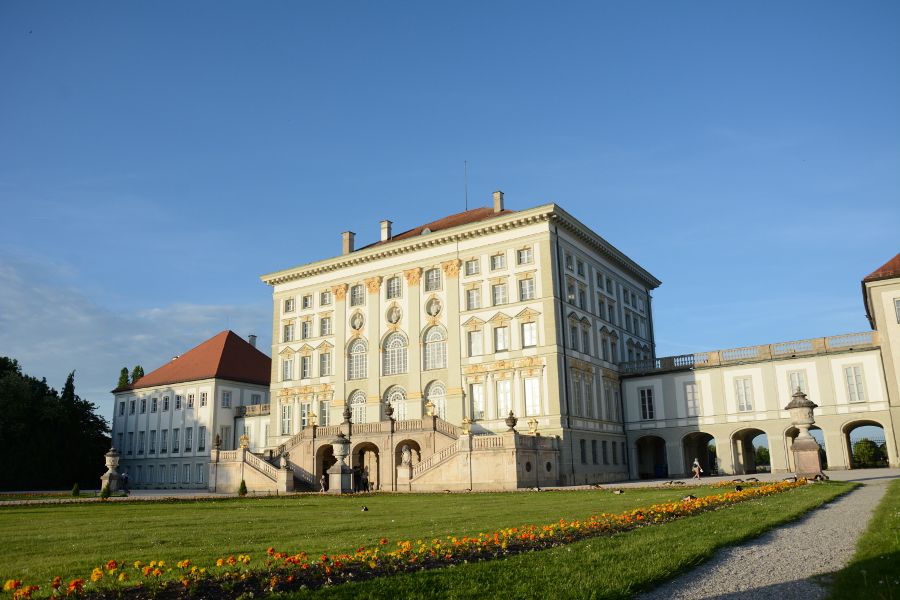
435, 349
356, 359
436, 393
358, 406
396, 397
394, 360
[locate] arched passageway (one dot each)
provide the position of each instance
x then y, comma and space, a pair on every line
791, 434
702, 446
651, 457
366, 465
751, 451
865, 444
324, 460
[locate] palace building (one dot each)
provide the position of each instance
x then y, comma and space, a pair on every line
491, 349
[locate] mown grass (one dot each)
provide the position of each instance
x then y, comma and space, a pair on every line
604, 567
874, 570
40, 542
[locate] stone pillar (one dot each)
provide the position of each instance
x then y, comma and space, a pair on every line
339, 298
111, 477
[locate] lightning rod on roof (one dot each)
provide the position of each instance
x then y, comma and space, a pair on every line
466, 181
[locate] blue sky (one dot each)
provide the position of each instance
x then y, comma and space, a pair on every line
156, 158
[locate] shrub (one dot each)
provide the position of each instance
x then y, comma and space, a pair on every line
242, 490
105, 492
76, 491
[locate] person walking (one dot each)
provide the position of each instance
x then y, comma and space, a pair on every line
322, 484
696, 469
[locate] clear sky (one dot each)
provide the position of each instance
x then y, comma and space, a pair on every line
157, 157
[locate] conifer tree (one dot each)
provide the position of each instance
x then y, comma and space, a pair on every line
123, 378
136, 373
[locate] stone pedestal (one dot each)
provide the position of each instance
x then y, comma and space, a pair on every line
807, 460
340, 477
404, 477
111, 477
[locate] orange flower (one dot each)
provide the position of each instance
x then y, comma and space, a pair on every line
112, 565
11, 584
75, 586
97, 574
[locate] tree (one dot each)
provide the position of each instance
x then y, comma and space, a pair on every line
123, 378
242, 491
866, 453
136, 373
762, 456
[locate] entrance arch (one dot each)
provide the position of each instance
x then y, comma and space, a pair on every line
324, 460
746, 458
651, 453
865, 444
791, 434
702, 446
366, 465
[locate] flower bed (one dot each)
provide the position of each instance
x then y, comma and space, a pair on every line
280, 571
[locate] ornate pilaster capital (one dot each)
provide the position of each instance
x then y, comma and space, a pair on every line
373, 284
413, 276
451, 267
339, 291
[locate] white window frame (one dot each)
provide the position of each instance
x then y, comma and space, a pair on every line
307, 301
472, 267
476, 392
504, 397
648, 410
692, 398
499, 295
305, 367
856, 383
498, 261
501, 338
475, 342
393, 288
743, 393
289, 305
325, 326
324, 364
797, 379
325, 298
357, 295
526, 289
435, 349
357, 356
394, 354
357, 404
432, 280
529, 335
525, 256
287, 369
473, 298
532, 395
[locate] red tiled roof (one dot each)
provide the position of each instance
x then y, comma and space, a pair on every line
886, 271
223, 356
463, 218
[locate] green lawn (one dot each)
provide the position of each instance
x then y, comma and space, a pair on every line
874, 571
41, 542
603, 567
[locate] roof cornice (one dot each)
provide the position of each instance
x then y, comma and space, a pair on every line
546, 212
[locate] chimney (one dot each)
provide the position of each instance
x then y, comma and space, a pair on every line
385, 230
252, 339
176, 357
498, 201
347, 237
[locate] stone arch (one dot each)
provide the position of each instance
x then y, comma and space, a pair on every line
652, 461
697, 445
874, 457
790, 434
743, 442
415, 451
324, 460
365, 462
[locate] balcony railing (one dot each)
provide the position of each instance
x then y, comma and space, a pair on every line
824, 345
254, 410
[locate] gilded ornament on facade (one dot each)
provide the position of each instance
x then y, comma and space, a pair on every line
412, 276
373, 284
451, 267
357, 321
393, 314
340, 291
433, 307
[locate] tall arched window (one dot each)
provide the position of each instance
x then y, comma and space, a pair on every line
356, 359
396, 397
436, 393
394, 360
358, 406
435, 349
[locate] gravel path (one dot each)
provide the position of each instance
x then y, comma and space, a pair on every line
780, 563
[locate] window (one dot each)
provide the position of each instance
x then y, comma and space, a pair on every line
692, 397
580, 268
357, 295
305, 367
570, 293
612, 312
173, 474
501, 339
153, 404
225, 433
797, 381
226, 399
498, 261
582, 445
325, 298
526, 289
394, 356
152, 441
529, 335
498, 294
176, 439
255, 399
605, 453
396, 397
609, 286
647, 411
289, 305
627, 321
287, 333
532, 396
358, 406
200, 469
432, 280
570, 264
855, 390
743, 391
178, 400
582, 298
165, 403
573, 337
305, 409
324, 364
393, 288
504, 398
472, 267
131, 407
325, 326
585, 341
286, 419
604, 345
476, 345
524, 256
201, 439
188, 439
615, 454
307, 301
287, 369
323, 413
203, 397
140, 442
897, 308
473, 299
435, 349
130, 442
477, 394
190, 402
143, 405
356, 363
119, 437
305, 330
163, 441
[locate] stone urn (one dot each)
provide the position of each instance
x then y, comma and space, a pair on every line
340, 477
429, 408
111, 477
388, 411
807, 460
511, 421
